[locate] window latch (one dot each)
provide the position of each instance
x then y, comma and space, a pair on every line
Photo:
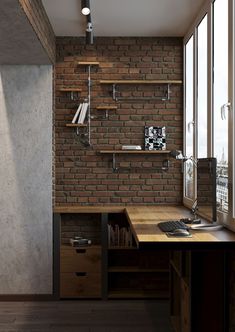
191, 123
223, 109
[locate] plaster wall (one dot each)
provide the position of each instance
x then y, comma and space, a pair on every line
26, 179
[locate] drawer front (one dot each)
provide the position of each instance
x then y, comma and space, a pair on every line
80, 284
80, 259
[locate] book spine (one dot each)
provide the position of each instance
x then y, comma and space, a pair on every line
80, 115
77, 113
83, 113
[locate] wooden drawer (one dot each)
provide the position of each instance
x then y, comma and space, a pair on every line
80, 285
85, 259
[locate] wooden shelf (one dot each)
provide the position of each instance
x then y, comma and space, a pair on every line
75, 125
122, 248
127, 293
88, 63
141, 81
134, 152
135, 269
70, 90
108, 107
139, 152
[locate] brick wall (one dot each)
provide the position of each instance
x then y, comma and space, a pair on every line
83, 175
85, 225
37, 17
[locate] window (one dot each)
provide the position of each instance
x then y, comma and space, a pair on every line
220, 99
189, 130
202, 86
209, 122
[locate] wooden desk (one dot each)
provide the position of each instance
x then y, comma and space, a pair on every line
198, 265
144, 219
198, 268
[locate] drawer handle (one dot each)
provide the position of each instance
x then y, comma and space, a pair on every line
80, 251
80, 274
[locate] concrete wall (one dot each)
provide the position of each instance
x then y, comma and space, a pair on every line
26, 179
26, 37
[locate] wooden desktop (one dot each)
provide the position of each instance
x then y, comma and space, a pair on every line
144, 219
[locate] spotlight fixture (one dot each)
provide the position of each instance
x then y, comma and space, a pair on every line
85, 7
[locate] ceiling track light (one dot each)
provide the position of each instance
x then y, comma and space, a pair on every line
85, 4
86, 10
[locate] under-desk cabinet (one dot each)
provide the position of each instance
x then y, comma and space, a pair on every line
198, 288
80, 271
113, 266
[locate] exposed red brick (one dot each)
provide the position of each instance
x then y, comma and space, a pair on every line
83, 175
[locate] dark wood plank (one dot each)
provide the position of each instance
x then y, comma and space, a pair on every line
85, 316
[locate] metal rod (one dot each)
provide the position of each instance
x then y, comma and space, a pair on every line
89, 104
141, 98
116, 98
168, 93
114, 163
114, 92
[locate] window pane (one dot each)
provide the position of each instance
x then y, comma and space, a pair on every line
189, 192
202, 89
221, 98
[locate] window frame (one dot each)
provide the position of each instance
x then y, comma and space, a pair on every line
207, 9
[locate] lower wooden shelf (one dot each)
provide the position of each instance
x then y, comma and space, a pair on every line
122, 248
135, 269
127, 293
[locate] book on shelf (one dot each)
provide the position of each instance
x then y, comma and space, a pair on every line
77, 113
83, 113
131, 147
119, 236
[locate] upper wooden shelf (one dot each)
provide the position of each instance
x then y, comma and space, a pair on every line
141, 82
88, 63
75, 125
70, 90
134, 151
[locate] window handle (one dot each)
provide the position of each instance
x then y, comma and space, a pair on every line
223, 110
191, 123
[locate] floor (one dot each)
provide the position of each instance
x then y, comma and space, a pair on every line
85, 316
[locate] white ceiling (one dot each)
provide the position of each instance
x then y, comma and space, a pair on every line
124, 17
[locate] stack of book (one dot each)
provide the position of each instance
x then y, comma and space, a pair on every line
81, 113
119, 237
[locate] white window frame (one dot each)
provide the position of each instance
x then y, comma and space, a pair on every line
228, 220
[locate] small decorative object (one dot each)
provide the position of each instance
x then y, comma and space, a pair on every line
79, 242
155, 138
131, 147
